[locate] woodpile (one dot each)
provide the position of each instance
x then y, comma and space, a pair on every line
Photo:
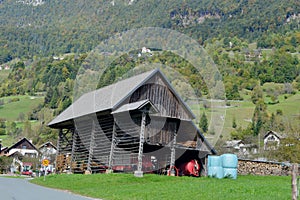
188, 144
246, 167
63, 163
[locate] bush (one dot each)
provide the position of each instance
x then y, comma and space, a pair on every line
2, 131
15, 99
279, 112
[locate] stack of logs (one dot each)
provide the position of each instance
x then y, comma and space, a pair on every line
63, 163
263, 168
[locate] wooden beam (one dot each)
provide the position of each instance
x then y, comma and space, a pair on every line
294, 181
172, 162
112, 147
74, 140
58, 148
91, 149
139, 172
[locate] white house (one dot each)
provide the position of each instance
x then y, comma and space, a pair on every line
24, 147
240, 148
272, 140
47, 150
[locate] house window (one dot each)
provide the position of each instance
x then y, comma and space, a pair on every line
24, 147
272, 138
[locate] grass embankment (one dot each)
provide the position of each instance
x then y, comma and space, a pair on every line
11, 109
126, 186
242, 111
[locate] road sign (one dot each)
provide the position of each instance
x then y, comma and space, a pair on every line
45, 162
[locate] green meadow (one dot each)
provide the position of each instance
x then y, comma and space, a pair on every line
11, 109
126, 186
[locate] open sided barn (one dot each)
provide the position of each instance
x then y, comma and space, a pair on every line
137, 124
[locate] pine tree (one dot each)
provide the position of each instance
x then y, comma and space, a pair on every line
203, 124
234, 125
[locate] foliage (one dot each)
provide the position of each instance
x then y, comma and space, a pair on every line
51, 29
234, 125
5, 163
203, 124
289, 149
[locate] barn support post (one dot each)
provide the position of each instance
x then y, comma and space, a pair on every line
294, 181
74, 139
112, 148
58, 149
91, 149
139, 172
172, 162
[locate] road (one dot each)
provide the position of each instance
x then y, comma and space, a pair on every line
21, 189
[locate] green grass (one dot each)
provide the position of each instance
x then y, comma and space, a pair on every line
126, 186
4, 74
242, 111
11, 111
6, 140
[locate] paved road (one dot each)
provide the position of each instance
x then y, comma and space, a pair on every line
21, 189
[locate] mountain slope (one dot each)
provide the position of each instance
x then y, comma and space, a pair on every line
47, 27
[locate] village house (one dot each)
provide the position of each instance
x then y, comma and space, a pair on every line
239, 148
272, 140
48, 150
24, 147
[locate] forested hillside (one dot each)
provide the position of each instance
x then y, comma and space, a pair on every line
62, 26
254, 44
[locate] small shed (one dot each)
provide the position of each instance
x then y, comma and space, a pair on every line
137, 124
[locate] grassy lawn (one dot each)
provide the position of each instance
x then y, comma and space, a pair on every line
10, 111
242, 111
126, 186
4, 74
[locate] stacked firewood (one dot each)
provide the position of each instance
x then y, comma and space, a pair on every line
262, 168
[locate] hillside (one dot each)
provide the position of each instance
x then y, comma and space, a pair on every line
60, 26
255, 46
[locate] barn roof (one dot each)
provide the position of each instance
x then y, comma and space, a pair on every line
110, 98
137, 106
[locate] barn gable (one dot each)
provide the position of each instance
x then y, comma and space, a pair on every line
113, 96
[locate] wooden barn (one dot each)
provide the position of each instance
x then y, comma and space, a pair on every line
139, 124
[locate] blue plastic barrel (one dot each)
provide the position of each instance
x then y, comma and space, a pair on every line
216, 172
230, 173
214, 161
229, 161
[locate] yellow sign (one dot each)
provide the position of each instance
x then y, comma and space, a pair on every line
45, 162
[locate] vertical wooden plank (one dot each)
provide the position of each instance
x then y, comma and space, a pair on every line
58, 149
74, 139
294, 181
91, 149
139, 172
172, 162
112, 147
